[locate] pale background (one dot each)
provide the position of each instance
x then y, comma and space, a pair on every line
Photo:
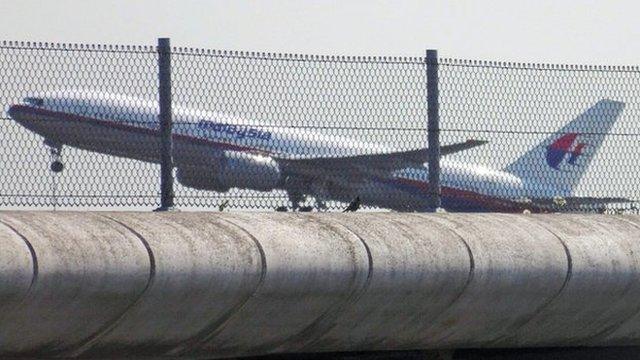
567, 32
580, 31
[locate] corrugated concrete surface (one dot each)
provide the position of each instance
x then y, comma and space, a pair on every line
221, 285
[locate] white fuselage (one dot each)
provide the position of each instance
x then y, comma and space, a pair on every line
129, 127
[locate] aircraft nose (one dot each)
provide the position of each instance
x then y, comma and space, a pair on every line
15, 111
22, 114
25, 116
12, 111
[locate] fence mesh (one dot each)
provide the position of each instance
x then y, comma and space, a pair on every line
90, 179
568, 131
269, 131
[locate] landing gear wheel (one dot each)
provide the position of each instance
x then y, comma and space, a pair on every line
295, 198
55, 153
321, 205
57, 166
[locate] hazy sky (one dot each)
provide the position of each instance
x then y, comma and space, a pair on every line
586, 32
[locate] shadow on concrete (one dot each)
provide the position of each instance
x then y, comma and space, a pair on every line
583, 353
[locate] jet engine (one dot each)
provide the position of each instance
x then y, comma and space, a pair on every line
233, 169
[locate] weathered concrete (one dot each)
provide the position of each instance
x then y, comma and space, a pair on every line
219, 285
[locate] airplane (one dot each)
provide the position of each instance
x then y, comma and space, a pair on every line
217, 152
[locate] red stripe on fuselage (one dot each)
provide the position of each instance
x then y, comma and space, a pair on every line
496, 204
490, 202
15, 110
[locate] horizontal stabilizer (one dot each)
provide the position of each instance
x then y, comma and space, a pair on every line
578, 201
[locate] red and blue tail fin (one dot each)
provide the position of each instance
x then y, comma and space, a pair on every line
560, 161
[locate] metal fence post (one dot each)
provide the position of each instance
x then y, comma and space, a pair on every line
433, 129
166, 124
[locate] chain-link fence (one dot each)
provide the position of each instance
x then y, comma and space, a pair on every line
281, 131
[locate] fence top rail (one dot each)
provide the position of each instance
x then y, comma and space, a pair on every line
258, 55
39, 45
535, 66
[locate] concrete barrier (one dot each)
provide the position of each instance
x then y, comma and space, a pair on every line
220, 285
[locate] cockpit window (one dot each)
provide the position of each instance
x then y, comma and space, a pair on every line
34, 101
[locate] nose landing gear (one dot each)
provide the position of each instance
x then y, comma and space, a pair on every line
55, 153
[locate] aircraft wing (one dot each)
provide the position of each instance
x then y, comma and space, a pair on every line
382, 162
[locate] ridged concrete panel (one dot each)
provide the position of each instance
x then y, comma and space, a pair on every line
203, 269
88, 271
218, 285
416, 275
602, 285
313, 268
518, 268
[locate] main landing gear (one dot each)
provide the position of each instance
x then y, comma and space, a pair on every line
55, 153
294, 186
295, 198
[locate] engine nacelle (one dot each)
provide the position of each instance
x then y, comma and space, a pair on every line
249, 171
234, 169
